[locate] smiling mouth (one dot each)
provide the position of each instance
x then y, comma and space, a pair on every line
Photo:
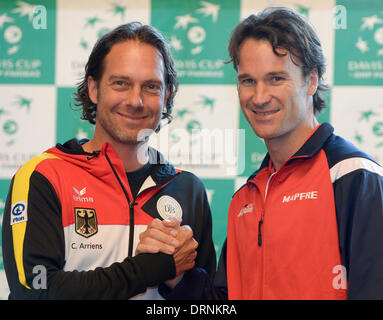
131, 117
265, 113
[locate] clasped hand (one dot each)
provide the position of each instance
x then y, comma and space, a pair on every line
169, 237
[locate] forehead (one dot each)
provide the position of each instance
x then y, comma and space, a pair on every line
134, 57
259, 56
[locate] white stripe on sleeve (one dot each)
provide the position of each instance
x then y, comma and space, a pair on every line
349, 165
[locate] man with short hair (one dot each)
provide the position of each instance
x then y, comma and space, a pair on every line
77, 210
309, 222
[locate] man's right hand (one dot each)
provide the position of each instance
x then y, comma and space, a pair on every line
169, 237
185, 254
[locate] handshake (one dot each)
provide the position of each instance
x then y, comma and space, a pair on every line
169, 237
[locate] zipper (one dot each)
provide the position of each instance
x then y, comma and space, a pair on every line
260, 255
131, 226
260, 222
131, 204
131, 208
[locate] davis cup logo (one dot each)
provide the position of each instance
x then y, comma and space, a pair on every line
168, 208
20, 33
359, 47
198, 34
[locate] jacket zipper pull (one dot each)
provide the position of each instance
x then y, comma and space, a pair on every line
95, 154
259, 232
132, 204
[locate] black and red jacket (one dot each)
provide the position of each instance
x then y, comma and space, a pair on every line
73, 213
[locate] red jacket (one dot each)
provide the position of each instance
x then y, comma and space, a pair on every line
282, 234
294, 233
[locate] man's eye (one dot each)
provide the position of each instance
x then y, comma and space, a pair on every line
247, 82
152, 88
276, 79
119, 82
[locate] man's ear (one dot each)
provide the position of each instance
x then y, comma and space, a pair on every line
92, 90
312, 82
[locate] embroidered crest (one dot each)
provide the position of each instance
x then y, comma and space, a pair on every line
85, 222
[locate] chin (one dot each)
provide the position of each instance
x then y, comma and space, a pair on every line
126, 139
265, 134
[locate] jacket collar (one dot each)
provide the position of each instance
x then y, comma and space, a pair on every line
316, 141
162, 171
309, 149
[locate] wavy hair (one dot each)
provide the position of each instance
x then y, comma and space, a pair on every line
285, 29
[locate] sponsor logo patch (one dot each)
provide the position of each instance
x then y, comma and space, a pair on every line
246, 209
168, 208
310, 195
80, 195
19, 212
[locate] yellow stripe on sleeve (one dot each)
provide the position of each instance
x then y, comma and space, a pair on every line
19, 210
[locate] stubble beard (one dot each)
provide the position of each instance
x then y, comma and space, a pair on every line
122, 136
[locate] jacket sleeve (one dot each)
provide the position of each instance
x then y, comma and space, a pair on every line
197, 284
359, 208
34, 253
203, 228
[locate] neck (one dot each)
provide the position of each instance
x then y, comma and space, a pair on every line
284, 147
133, 156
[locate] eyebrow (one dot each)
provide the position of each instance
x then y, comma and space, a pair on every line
278, 73
118, 77
270, 74
243, 76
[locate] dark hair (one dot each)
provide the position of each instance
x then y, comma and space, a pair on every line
285, 29
94, 67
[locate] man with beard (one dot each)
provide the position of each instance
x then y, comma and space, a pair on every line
76, 211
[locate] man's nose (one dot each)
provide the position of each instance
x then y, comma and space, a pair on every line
134, 97
261, 95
